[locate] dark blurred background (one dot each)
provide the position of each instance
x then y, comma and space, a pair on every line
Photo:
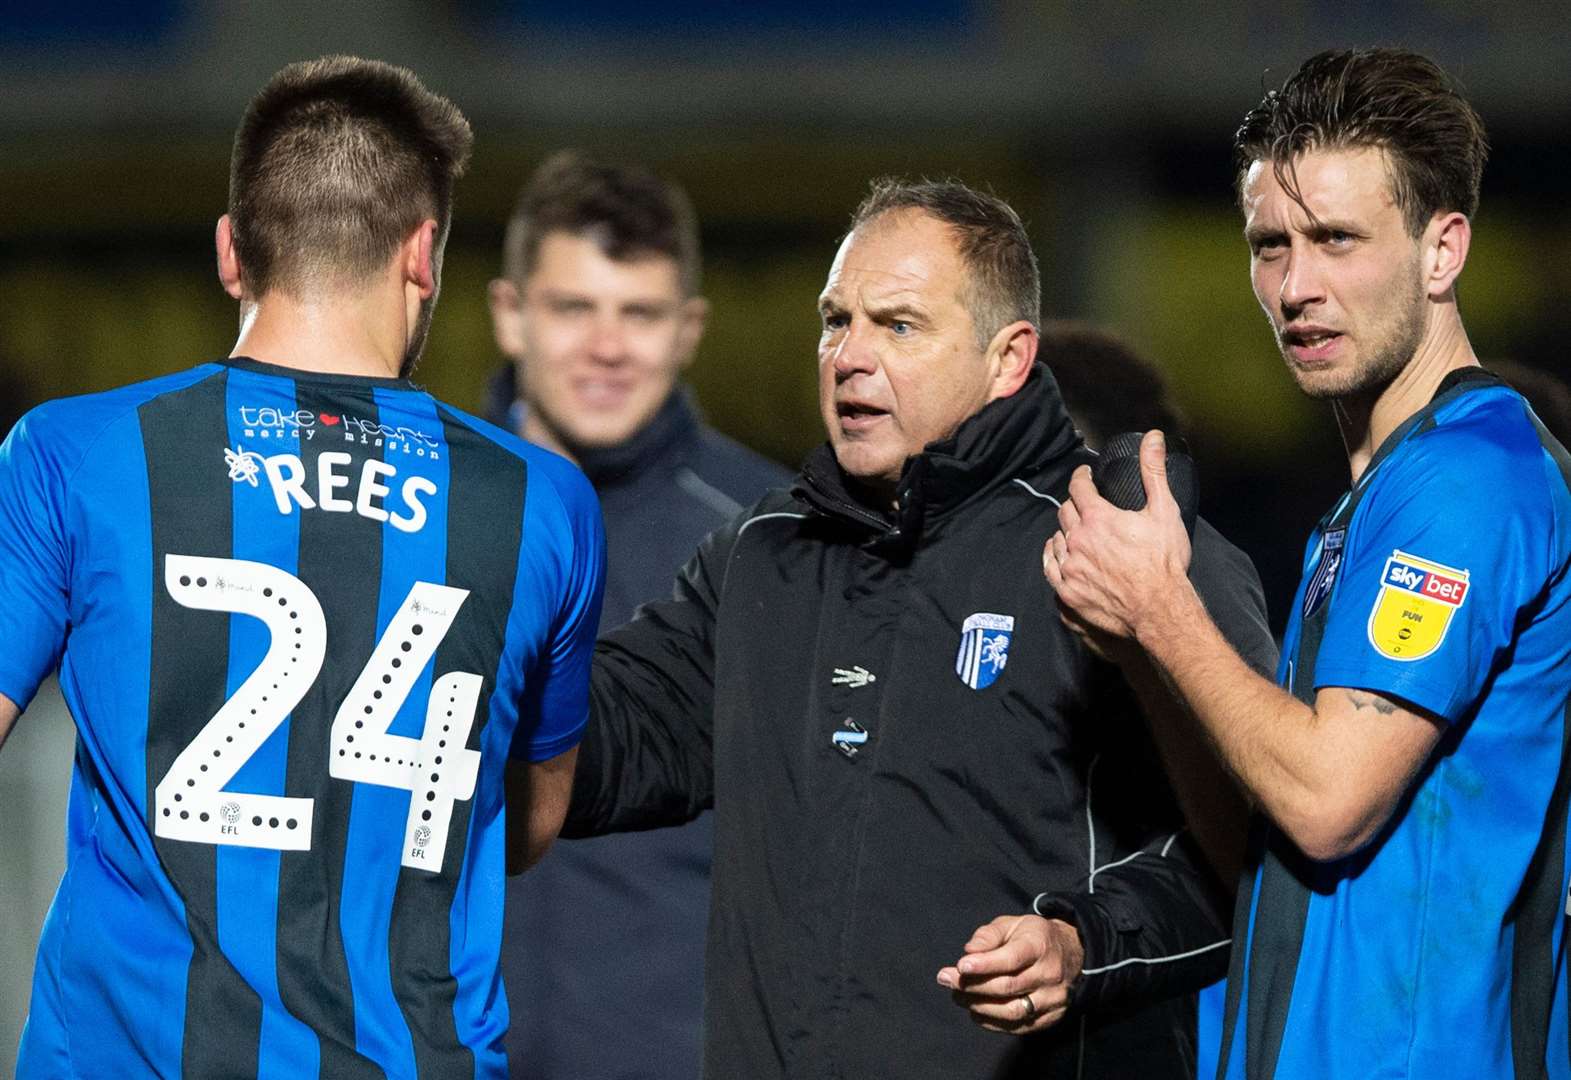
1107, 125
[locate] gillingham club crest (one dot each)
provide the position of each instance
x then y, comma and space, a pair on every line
984, 648
1414, 609
1324, 577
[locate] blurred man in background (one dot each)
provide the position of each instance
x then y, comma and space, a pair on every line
598, 313
311, 624
1107, 386
1404, 914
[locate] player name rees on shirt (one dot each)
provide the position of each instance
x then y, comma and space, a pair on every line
326, 487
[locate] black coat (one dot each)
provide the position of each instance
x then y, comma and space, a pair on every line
812, 626
621, 919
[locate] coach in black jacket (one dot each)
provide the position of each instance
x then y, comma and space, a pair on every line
868, 680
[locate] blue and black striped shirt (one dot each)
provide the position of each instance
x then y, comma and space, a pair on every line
302, 621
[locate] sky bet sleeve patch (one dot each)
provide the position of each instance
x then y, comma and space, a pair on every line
1414, 607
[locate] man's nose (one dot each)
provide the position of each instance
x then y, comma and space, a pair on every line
1303, 284
608, 340
855, 352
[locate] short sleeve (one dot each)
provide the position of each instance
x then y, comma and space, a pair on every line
1448, 546
555, 707
33, 563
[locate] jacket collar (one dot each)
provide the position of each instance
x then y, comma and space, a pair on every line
676, 421
1009, 437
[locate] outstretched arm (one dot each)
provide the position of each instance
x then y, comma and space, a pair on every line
646, 759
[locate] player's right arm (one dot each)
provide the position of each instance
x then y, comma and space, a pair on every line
555, 709
1329, 773
8, 714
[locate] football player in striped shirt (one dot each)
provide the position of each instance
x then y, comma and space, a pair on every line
319, 632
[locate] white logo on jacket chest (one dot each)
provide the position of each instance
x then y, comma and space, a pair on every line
855, 677
984, 648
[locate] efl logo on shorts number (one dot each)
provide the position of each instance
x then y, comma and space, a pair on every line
1414, 609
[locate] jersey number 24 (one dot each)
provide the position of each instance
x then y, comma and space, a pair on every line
437, 769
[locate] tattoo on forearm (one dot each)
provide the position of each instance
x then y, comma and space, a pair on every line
1364, 700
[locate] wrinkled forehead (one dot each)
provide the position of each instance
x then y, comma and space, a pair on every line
899, 255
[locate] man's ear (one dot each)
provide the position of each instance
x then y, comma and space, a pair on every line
420, 257
506, 300
228, 259
1446, 243
1011, 352
693, 317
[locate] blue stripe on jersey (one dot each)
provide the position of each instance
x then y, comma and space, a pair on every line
158, 950
1210, 1004
111, 884
475, 917
248, 877
481, 1004
378, 814
476, 922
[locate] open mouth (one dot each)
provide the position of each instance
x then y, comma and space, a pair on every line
1311, 344
855, 415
